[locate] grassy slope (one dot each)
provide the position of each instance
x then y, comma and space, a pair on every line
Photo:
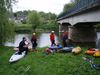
23, 27
41, 64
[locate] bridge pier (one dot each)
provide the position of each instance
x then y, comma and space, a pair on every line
63, 27
83, 34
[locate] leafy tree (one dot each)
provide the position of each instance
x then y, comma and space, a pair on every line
67, 7
43, 18
52, 25
48, 21
70, 5
34, 19
6, 27
74, 1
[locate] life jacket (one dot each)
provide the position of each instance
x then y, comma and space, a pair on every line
21, 44
33, 38
52, 37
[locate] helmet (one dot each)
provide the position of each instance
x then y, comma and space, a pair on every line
34, 33
52, 31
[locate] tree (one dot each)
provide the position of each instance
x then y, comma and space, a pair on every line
6, 27
48, 21
52, 25
67, 7
70, 5
34, 19
74, 1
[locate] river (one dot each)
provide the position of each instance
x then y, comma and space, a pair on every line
43, 40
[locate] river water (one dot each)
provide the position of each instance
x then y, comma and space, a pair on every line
43, 40
98, 35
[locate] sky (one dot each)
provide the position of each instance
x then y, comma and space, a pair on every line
54, 6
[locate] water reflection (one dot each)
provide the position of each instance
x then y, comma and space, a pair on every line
98, 40
98, 35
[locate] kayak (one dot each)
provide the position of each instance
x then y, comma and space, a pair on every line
55, 47
67, 49
52, 47
15, 57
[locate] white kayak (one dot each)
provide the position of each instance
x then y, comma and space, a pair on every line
16, 57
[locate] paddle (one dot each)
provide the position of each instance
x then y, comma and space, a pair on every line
93, 65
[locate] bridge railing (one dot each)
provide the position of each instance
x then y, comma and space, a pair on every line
80, 6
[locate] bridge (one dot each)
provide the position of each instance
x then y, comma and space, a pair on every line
80, 20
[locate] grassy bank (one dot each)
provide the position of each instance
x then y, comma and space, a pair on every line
37, 63
26, 28
23, 27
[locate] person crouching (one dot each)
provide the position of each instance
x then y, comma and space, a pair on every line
23, 46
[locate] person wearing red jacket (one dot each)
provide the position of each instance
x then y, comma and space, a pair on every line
52, 38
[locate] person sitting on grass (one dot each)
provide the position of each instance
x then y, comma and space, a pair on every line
23, 46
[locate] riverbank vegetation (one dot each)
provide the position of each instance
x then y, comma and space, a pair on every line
37, 63
23, 28
37, 20
23, 21
69, 6
6, 25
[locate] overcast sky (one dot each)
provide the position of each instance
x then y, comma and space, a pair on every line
54, 6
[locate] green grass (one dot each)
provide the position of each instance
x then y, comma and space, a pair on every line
37, 63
